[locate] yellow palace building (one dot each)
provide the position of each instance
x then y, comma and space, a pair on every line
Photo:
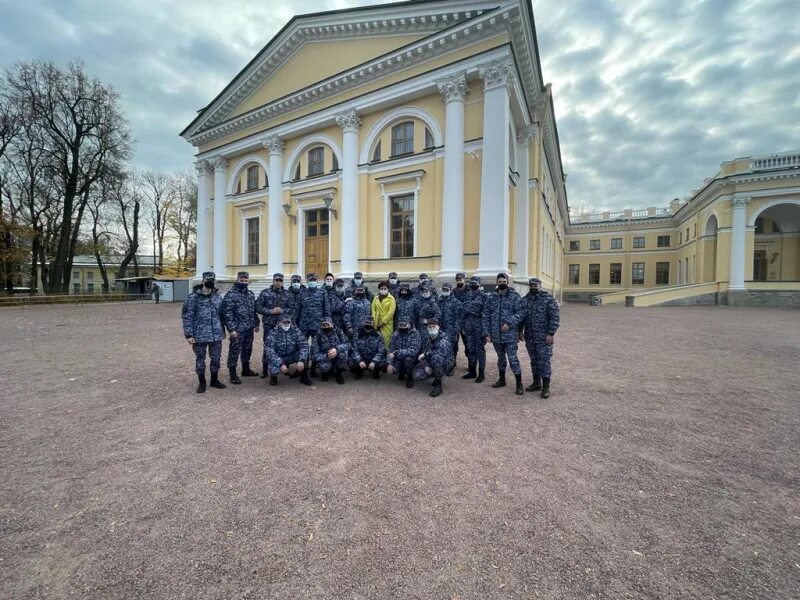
411, 137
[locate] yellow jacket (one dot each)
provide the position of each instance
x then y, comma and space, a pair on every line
383, 314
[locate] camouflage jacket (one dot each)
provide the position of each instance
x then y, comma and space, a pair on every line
355, 311
542, 316
502, 309
452, 314
269, 299
202, 318
281, 345
322, 342
369, 347
405, 345
239, 309
314, 306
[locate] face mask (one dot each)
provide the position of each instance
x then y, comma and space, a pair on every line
404, 293
534, 290
295, 286
312, 284
208, 284
393, 281
358, 280
285, 326
433, 332
327, 329
328, 284
445, 293
359, 294
426, 295
474, 286
367, 328
340, 288
242, 285
403, 330
460, 284
502, 286
383, 291
422, 281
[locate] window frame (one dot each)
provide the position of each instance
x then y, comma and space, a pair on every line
376, 153
594, 274
594, 244
634, 267
660, 271
248, 187
577, 246
616, 243
615, 268
574, 269
315, 167
636, 242
430, 144
661, 238
404, 242
405, 141
248, 242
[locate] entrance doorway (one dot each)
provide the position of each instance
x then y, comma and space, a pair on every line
316, 250
760, 265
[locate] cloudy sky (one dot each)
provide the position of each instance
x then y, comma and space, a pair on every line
650, 95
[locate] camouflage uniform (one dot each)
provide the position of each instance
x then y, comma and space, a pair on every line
367, 347
284, 348
355, 311
427, 308
406, 348
451, 320
271, 298
473, 327
541, 319
394, 288
322, 342
336, 300
350, 290
502, 309
460, 294
424, 283
438, 356
202, 321
406, 309
239, 315
314, 306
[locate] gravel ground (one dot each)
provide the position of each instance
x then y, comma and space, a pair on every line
665, 465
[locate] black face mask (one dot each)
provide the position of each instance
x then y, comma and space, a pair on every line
208, 284
367, 328
327, 329
502, 286
404, 293
403, 330
359, 294
460, 284
534, 291
474, 286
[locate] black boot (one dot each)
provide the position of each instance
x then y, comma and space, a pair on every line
273, 380
234, 377
201, 386
471, 374
501, 382
451, 370
246, 372
313, 370
409, 380
536, 385
264, 372
337, 373
480, 377
304, 378
519, 391
216, 383
436, 390
358, 372
545, 387
325, 376
376, 373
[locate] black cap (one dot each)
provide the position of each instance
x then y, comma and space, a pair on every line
286, 319
358, 274
461, 275
311, 277
242, 274
433, 321
403, 325
296, 278
338, 281
502, 276
392, 274
277, 276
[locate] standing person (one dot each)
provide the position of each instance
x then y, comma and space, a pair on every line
272, 303
202, 327
358, 281
451, 320
241, 321
314, 306
337, 300
427, 307
473, 326
383, 309
541, 323
460, 292
503, 313
329, 348
424, 282
436, 357
394, 284
286, 350
156, 292
405, 305
296, 287
368, 351
356, 309
403, 351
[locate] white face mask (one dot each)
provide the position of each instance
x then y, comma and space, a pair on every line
393, 280
358, 280
285, 326
383, 291
433, 331
445, 293
295, 285
312, 284
426, 295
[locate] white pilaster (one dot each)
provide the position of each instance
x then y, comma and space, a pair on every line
738, 242
454, 92
493, 245
220, 218
274, 145
203, 240
348, 215
522, 202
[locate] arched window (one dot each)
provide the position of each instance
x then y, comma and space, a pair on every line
428, 139
316, 161
297, 172
239, 187
252, 177
335, 163
403, 139
376, 154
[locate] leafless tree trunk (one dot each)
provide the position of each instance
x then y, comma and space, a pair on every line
157, 187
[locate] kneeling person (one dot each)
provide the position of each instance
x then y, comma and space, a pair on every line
368, 352
436, 358
403, 350
329, 349
286, 349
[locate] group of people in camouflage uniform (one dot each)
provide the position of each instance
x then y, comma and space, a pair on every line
330, 327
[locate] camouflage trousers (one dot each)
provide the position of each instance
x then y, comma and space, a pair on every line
241, 345
476, 350
438, 365
285, 360
504, 349
540, 354
325, 366
214, 351
404, 366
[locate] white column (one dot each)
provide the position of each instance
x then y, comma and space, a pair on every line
274, 146
220, 218
454, 91
348, 213
493, 246
203, 239
738, 242
522, 202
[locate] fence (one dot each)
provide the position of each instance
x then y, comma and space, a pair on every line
71, 299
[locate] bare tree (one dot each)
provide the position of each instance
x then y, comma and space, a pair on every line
127, 203
183, 217
157, 187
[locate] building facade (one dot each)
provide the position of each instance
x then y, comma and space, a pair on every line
740, 231
409, 137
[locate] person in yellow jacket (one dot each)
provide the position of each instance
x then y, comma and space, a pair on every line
383, 307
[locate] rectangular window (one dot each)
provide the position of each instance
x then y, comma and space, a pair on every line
575, 245
403, 139
638, 242
637, 273
594, 274
89, 287
695, 231
615, 276
316, 161
253, 226
594, 244
76, 288
662, 273
664, 241
687, 234
76, 274
252, 178
401, 227
90, 276
616, 243
574, 274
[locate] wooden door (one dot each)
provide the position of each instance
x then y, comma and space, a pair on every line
317, 241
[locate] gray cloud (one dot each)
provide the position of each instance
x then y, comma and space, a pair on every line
650, 95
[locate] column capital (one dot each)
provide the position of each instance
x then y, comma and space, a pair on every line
497, 74
453, 88
219, 163
527, 134
202, 167
273, 144
740, 201
348, 120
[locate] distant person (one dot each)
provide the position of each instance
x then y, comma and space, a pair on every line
403, 351
368, 351
436, 357
383, 308
156, 292
202, 327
